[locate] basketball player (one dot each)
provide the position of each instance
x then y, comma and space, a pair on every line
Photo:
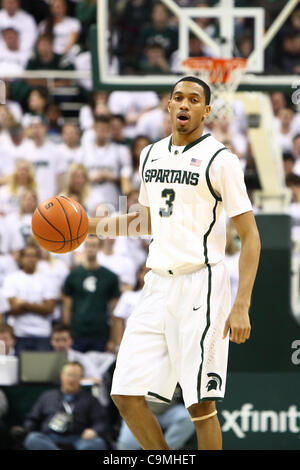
180, 330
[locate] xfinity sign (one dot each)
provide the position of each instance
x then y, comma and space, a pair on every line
247, 419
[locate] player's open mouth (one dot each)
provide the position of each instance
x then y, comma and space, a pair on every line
183, 118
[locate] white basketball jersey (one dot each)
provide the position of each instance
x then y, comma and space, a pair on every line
188, 190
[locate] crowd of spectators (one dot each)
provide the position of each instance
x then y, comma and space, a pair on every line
79, 302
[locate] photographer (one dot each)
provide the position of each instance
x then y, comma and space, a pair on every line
67, 418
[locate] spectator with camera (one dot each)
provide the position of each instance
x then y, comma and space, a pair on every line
67, 417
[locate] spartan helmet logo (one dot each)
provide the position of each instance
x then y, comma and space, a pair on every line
214, 383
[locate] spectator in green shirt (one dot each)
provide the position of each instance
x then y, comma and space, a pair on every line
159, 31
90, 294
45, 58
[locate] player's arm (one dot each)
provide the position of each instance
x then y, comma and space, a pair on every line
238, 321
133, 224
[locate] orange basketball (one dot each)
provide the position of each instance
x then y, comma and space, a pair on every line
60, 224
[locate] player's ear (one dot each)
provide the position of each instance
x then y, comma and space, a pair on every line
207, 111
169, 102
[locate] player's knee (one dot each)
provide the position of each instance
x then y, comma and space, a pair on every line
204, 408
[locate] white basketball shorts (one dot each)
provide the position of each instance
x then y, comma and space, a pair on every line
175, 335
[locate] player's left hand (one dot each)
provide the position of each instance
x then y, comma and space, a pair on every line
238, 323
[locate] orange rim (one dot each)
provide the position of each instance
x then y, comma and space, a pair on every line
218, 70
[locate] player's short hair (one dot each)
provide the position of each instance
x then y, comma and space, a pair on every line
191, 78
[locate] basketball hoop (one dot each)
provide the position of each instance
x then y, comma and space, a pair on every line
222, 75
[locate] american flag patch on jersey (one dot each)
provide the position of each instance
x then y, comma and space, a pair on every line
195, 162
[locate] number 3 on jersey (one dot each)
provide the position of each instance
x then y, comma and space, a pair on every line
170, 195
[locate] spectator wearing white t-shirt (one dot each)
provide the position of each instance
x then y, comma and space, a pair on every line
120, 264
126, 305
132, 104
13, 147
50, 167
286, 129
71, 149
66, 30
12, 16
32, 299
20, 222
108, 164
78, 187
10, 243
56, 271
12, 58
19, 181
150, 123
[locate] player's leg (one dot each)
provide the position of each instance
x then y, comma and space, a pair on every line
143, 366
207, 425
141, 421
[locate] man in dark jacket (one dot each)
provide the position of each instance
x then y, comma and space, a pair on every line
68, 416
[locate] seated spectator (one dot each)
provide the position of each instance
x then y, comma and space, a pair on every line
55, 270
13, 107
289, 58
97, 107
12, 58
120, 264
67, 416
159, 31
90, 293
32, 300
64, 29
78, 187
222, 129
154, 61
37, 102
7, 336
108, 164
278, 101
95, 364
20, 222
10, 243
150, 123
55, 122
132, 104
285, 129
45, 58
117, 126
288, 163
71, 148
12, 16
50, 168
21, 179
